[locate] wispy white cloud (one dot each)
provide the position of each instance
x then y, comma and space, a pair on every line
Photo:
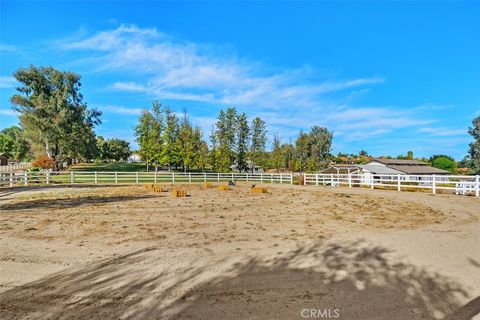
7, 82
183, 70
8, 112
443, 131
8, 48
120, 110
163, 67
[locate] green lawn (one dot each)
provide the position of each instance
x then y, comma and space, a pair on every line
119, 167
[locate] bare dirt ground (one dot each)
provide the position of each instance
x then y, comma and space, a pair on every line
124, 252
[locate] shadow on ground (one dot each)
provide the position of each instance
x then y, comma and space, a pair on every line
70, 202
355, 278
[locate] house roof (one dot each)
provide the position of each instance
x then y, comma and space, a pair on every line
400, 162
418, 169
380, 169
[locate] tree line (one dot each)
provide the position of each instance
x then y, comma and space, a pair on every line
54, 120
235, 143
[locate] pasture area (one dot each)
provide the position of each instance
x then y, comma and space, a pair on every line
126, 252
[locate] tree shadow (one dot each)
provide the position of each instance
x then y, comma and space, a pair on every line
69, 202
355, 278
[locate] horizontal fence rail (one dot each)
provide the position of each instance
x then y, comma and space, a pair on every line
26, 178
461, 185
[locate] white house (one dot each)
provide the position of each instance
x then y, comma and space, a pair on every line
134, 157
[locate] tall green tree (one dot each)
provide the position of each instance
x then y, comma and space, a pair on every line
144, 133
14, 144
258, 143
53, 113
319, 148
242, 138
213, 154
474, 147
170, 152
276, 154
226, 134
302, 150
185, 143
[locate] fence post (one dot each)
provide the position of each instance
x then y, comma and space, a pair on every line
116, 177
173, 177
331, 179
247, 176
189, 177
155, 177
304, 178
349, 180
261, 177
47, 177
204, 177
11, 179
271, 178
477, 185
291, 178
399, 185
71, 177
232, 176
434, 185
136, 177
96, 177
281, 178
372, 181
25, 173
316, 179
218, 176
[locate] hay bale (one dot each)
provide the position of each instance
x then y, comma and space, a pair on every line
223, 188
149, 186
258, 190
157, 189
207, 185
179, 193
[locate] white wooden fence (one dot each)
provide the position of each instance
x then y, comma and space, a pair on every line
15, 167
26, 178
464, 185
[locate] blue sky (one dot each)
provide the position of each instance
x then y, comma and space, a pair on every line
386, 77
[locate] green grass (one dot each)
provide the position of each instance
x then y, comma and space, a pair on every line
119, 167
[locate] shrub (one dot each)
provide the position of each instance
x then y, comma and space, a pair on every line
43, 162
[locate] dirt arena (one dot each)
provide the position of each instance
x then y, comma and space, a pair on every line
124, 252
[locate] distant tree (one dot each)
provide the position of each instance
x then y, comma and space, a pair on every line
144, 133
213, 155
226, 136
276, 158
52, 112
363, 153
301, 149
444, 163
242, 139
14, 144
436, 156
185, 143
319, 145
117, 149
259, 141
474, 151
170, 152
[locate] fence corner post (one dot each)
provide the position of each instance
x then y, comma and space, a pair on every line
434, 185
477, 185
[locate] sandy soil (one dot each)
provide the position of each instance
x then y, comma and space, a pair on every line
96, 252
